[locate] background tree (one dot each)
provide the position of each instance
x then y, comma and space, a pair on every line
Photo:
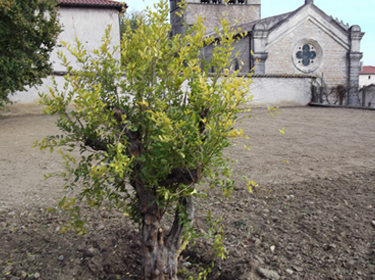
28, 33
151, 128
131, 19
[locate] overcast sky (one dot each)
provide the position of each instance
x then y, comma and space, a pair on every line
359, 12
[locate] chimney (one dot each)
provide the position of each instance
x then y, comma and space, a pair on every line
309, 2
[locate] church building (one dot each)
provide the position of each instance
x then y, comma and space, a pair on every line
305, 43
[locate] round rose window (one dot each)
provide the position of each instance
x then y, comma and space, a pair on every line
307, 55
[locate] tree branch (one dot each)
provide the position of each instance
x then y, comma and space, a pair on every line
180, 220
96, 144
180, 176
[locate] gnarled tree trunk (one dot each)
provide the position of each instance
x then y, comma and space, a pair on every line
160, 251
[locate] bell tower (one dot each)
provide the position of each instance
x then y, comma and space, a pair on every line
236, 11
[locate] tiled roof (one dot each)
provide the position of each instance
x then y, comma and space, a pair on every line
368, 70
93, 4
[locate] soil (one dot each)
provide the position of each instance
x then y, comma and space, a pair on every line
312, 215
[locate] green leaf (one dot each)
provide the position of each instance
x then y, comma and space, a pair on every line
25, 53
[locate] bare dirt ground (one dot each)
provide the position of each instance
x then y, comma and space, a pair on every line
311, 217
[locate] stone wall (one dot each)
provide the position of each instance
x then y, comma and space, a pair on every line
242, 45
235, 14
334, 62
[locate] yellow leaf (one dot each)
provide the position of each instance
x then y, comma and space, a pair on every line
233, 133
143, 102
63, 230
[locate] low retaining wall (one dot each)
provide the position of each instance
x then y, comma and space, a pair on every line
27, 102
280, 90
266, 90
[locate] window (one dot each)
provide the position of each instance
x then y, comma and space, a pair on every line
216, 1
306, 55
205, 1
236, 65
369, 77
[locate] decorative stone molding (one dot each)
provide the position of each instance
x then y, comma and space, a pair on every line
259, 61
354, 69
354, 57
355, 38
259, 36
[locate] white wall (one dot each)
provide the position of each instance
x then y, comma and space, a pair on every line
88, 25
266, 91
280, 91
27, 102
366, 79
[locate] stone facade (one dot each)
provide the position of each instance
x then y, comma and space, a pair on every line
303, 42
242, 46
331, 63
212, 10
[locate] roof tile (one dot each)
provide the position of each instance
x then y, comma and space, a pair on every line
93, 3
368, 70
